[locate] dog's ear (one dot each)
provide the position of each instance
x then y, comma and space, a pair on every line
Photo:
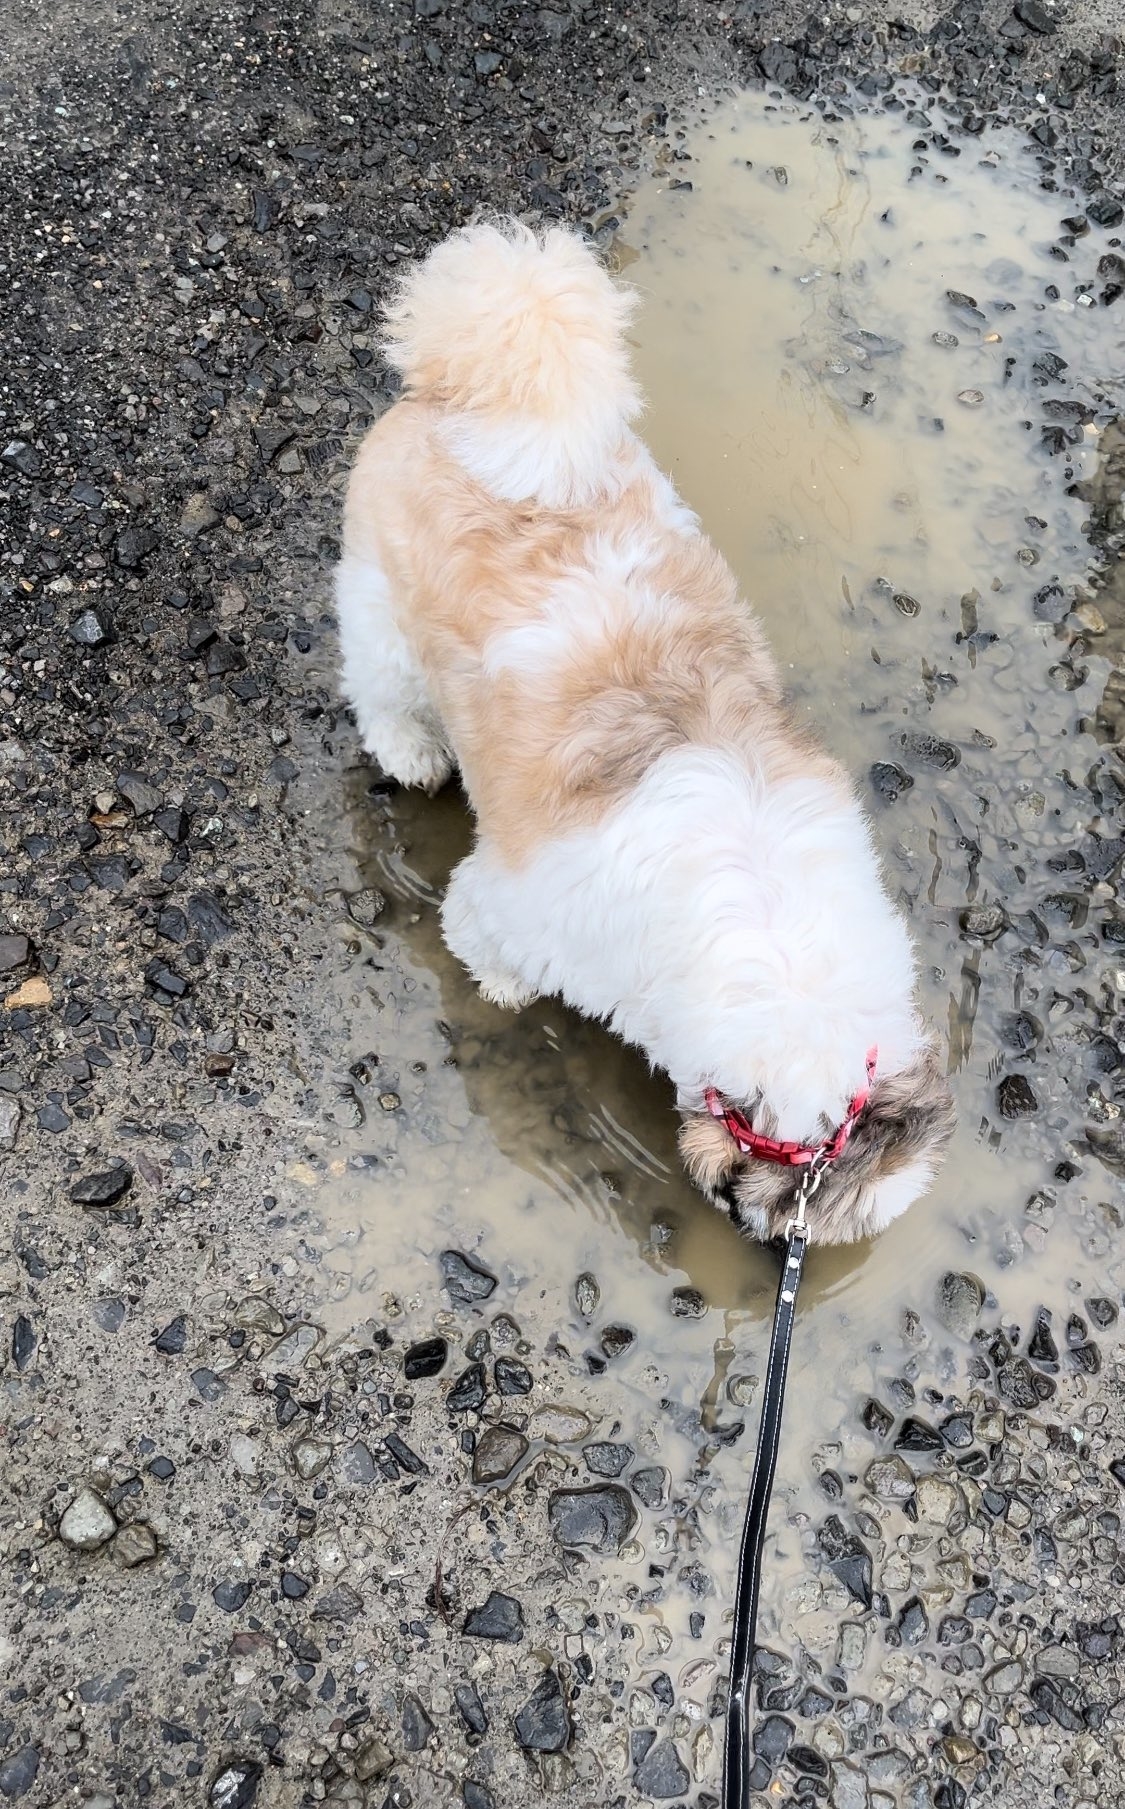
908, 1120
709, 1152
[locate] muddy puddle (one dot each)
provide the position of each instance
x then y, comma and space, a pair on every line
881, 374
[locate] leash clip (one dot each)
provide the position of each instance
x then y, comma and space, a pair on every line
811, 1177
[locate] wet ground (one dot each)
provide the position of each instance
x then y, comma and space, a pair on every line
379, 1398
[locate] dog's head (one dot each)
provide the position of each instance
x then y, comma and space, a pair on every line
889, 1160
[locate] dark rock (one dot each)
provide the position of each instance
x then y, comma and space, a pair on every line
1035, 16
172, 1341
470, 1708
143, 796
1041, 1346
687, 1303
467, 1393
500, 1617
343, 1603
133, 547
877, 1419
912, 1623
984, 923
93, 628
173, 823
293, 1587
272, 438
23, 1342
929, 750
511, 1377
236, 1786
662, 1774
19, 1772
498, 1451
543, 1723
594, 1519
162, 1468
108, 1314
1061, 1700
605, 1459
22, 457
848, 1559
355, 1464
650, 1486
230, 1597
104, 1188
889, 780
915, 1435
165, 979
15, 952
1105, 210
957, 1430
416, 1724
771, 1738
474, 1795
616, 1339
465, 1280
1016, 1097
425, 1359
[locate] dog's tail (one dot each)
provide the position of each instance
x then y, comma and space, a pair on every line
519, 338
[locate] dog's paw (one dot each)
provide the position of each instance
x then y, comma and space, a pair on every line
406, 752
506, 990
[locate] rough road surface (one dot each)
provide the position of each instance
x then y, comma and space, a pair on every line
246, 1560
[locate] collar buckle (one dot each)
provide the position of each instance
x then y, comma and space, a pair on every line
811, 1177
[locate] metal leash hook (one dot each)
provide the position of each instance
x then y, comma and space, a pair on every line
737, 1755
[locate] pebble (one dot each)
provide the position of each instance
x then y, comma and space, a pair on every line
310, 1457
511, 1377
104, 1187
134, 1544
18, 1772
958, 1303
616, 1339
687, 1303
1016, 1098
499, 1618
592, 1519
661, 1774
848, 1559
172, 1340
971, 398
465, 1280
343, 1603
650, 1486
140, 793
499, 1449
890, 1479
87, 1523
936, 1500
543, 1723
587, 1295
257, 1315
10, 1115
425, 1359
606, 1459
92, 628
1004, 1679
467, 1392
236, 1786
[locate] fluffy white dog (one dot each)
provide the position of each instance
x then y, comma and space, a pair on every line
523, 595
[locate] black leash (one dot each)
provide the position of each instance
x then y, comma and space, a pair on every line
736, 1750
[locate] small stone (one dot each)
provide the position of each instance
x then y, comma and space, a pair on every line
606, 1459
587, 1295
499, 1618
355, 1464
958, 1303
543, 1723
15, 952
141, 794
650, 1486
616, 1339
230, 1596
310, 1457
687, 1303
416, 1724
1035, 16
890, 1479
244, 1454
662, 1774
10, 1115
135, 1544
1105, 209
771, 1738
929, 750
24, 1342
946, 340
93, 628
851, 1646
1057, 1661
340, 1604
292, 1351
594, 1519
18, 1772
1004, 1679
236, 1786
425, 1359
133, 546
467, 1393
172, 1341
498, 1451
936, 1500
470, 1708
372, 1760
294, 1587
971, 398
984, 923
22, 457
465, 1280
1016, 1098
848, 1558
366, 907
1090, 618
87, 1523
511, 1377
915, 1435
104, 1188
257, 1315
33, 995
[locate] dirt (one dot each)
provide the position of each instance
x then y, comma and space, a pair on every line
378, 1398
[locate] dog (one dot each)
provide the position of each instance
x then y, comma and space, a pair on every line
523, 596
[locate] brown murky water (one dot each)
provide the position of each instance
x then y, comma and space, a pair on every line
869, 454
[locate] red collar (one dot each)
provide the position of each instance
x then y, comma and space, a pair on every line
791, 1155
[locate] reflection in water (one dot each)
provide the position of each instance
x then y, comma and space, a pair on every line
857, 357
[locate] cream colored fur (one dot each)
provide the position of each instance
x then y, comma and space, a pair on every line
523, 594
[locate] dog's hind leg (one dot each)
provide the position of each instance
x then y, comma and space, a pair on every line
384, 683
471, 934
